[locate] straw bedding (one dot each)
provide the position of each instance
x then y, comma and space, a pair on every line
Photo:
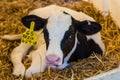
11, 12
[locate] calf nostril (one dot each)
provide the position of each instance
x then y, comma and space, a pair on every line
52, 59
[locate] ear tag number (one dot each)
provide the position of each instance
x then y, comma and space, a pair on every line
30, 37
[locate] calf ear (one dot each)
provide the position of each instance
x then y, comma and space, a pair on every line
87, 27
39, 22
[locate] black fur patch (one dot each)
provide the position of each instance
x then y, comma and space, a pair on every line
94, 47
89, 27
46, 37
68, 41
82, 50
39, 22
85, 48
86, 27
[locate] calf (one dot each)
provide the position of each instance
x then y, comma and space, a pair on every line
66, 38
69, 36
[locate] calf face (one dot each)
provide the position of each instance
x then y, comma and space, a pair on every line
66, 38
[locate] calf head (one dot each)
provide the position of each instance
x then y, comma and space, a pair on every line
60, 33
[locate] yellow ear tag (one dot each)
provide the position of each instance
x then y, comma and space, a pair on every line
30, 37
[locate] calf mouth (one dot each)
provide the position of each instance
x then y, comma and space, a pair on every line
59, 67
53, 67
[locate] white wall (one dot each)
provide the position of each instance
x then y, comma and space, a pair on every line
111, 5
115, 10
110, 75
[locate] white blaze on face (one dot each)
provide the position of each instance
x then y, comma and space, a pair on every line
58, 24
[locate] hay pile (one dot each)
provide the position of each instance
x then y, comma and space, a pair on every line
11, 12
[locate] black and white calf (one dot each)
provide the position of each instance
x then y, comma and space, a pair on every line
67, 39
69, 36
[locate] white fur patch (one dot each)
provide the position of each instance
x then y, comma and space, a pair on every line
45, 12
58, 24
11, 37
16, 58
38, 61
64, 65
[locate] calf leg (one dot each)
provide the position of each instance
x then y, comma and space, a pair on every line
16, 58
38, 61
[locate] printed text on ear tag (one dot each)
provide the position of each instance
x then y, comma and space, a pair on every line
30, 37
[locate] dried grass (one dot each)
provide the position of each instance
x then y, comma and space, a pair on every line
13, 10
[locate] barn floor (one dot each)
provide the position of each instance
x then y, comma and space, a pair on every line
11, 11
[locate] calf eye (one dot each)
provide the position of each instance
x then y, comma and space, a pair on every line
70, 37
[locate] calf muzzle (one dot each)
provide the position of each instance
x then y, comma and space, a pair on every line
52, 60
